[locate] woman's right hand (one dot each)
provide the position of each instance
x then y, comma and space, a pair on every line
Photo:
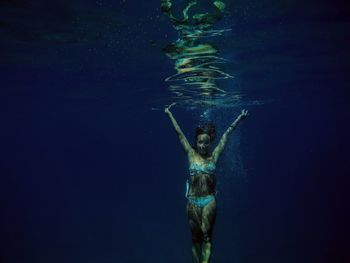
243, 114
167, 109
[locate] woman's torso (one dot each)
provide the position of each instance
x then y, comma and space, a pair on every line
202, 180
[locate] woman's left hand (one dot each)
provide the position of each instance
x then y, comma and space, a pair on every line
167, 109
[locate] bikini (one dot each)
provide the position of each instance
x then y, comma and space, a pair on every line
197, 168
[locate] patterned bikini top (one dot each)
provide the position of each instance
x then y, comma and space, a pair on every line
198, 168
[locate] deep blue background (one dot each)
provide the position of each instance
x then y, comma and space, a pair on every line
90, 173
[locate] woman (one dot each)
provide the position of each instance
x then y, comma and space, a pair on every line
200, 192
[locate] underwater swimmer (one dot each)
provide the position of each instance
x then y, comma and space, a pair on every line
201, 184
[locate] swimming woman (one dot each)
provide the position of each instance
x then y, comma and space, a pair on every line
201, 184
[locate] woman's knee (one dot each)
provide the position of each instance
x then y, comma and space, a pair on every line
197, 237
201, 236
206, 237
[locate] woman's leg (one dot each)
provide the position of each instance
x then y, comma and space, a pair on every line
194, 215
207, 224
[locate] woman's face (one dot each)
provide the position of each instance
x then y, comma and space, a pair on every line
203, 144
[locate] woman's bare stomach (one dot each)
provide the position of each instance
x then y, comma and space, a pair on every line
202, 185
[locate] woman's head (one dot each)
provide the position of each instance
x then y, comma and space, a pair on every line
204, 137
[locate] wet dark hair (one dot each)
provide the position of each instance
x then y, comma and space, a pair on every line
207, 128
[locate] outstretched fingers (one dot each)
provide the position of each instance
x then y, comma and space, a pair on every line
167, 109
172, 104
244, 113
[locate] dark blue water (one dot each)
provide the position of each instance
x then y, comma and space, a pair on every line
90, 173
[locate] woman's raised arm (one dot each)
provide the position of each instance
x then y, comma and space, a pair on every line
186, 146
220, 147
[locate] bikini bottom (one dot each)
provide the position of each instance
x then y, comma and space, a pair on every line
201, 201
